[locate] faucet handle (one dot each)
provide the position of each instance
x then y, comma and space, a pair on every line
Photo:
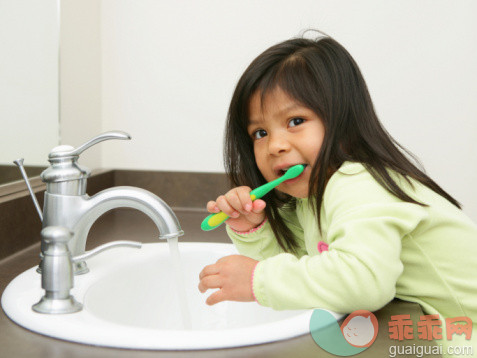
68, 151
109, 245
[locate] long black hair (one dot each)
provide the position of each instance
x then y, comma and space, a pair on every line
321, 75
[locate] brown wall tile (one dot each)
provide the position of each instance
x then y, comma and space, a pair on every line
178, 189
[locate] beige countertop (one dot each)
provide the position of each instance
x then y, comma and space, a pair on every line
123, 224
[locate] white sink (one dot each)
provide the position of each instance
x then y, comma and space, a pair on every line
131, 300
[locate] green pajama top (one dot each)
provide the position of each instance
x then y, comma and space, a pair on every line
379, 247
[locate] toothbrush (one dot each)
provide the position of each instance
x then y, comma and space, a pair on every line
215, 220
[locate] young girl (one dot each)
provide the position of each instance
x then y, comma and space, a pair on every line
361, 225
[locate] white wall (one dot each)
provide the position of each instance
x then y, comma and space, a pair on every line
81, 76
169, 68
28, 80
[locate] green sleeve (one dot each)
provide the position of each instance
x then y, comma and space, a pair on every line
363, 225
261, 243
258, 244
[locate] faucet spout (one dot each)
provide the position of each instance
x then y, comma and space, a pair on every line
78, 213
142, 200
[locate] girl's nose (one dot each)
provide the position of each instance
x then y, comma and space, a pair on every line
278, 144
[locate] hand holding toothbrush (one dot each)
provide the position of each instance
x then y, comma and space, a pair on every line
242, 205
244, 213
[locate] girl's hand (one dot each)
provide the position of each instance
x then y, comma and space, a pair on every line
244, 213
233, 275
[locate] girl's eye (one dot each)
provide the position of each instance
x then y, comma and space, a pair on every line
296, 122
259, 134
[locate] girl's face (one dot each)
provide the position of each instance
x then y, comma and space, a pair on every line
284, 133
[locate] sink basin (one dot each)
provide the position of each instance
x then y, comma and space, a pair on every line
131, 300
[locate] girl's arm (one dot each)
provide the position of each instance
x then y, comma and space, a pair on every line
363, 225
260, 243
359, 271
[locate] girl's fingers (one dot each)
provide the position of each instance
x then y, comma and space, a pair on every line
209, 270
234, 201
225, 206
245, 200
238, 198
258, 206
216, 297
208, 282
257, 214
209, 278
212, 207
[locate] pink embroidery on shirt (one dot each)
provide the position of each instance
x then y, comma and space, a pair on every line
322, 246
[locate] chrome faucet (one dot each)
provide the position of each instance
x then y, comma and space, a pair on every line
67, 205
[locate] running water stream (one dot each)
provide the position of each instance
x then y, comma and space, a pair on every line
180, 284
